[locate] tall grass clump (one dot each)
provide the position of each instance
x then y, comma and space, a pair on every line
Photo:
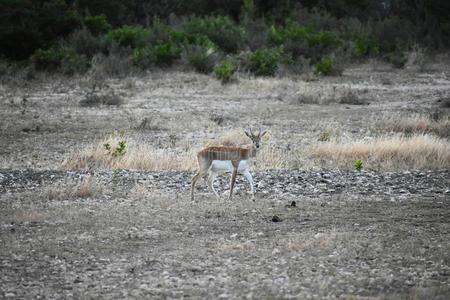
388, 153
138, 156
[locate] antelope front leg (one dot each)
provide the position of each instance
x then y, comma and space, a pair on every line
249, 178
233, 179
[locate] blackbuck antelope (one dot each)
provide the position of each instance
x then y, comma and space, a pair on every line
219, 159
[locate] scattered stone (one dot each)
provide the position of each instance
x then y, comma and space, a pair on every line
276, 218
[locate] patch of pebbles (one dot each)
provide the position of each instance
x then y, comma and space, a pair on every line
266, 182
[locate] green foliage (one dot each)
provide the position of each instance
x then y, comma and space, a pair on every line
97, 24
306, 41
264, 61
163, 54
160, 33
201, 58
60, 58
221, 30
365, 45
358, 164
117, 151
166, 53
326, 66
132, 36
224, 70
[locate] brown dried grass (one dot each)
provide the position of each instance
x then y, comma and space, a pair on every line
88, 188
141, 156
416, 124
388, 153
137, 156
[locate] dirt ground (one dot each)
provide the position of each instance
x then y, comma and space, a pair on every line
312, 233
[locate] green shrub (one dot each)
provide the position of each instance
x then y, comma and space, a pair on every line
264, 61
117, 151
224, 70
201, 58
304, 40
163, 54
166, 53
326, 66
294, 32
160, 33
222, 31
365, 45
97, 24
64, 59
132, 36
358, 164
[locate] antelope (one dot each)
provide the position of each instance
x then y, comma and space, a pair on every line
219, 159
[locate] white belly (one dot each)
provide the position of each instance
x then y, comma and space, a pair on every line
221, 166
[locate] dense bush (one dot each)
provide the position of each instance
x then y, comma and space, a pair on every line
264, 61
132, 36
228, 36
166, 53
304, 40
365, 45
201, 58
327, 66
163, 54
97, 24
63, 59
224, 70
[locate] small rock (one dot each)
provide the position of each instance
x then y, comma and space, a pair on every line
276, 218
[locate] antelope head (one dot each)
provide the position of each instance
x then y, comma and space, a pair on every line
256, 138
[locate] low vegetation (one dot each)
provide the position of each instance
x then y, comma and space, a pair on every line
387, 153
437, 124
298, 38
87, 188
120, 152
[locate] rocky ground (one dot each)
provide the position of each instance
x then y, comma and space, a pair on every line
309, 234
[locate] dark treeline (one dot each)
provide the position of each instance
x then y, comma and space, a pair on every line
369, 27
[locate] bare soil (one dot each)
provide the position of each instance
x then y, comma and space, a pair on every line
311, 233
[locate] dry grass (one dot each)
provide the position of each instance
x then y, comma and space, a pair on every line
141, 156
226, 246
137, 156
388, 153
416, 124
319, 241
88, 188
